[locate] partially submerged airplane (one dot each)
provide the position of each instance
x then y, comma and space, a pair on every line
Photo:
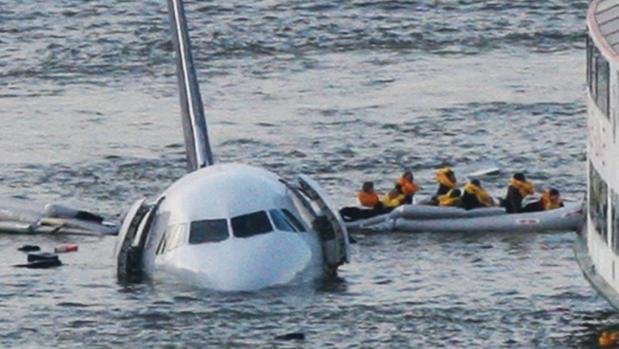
228, 226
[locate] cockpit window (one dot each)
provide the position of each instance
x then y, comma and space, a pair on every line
295, 222
281, 221
208, 230
251, 224
173, 237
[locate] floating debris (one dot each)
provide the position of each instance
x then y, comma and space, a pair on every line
41, 260
29, 248
66, 248
291, 336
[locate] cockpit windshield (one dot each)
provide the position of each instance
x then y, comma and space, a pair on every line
284, 220
251, 224
208, 230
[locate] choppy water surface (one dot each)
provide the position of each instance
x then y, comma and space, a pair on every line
343, 90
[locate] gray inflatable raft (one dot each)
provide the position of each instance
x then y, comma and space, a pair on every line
26, 217
422, 218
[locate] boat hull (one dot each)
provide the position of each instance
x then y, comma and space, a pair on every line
581, 252
449, 219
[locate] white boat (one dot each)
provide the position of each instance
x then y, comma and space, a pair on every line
597, 244
425, 218
229, 227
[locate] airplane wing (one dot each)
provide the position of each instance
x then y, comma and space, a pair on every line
27, 217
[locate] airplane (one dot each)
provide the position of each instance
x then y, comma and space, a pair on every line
227, 226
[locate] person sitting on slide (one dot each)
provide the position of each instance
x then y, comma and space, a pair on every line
446, 179
370, 202
551, 199
452, 198
394, 198
475, 196
409, 187
519, 188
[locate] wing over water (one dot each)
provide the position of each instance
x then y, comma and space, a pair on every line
194, 122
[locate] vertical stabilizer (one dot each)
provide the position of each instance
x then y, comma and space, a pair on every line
194, 122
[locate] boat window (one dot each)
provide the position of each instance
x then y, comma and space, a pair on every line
598, 202
208, 230
251, 224
602, 80
592, 52
174, 236
281, 221
615, 222
295, 222
589, 49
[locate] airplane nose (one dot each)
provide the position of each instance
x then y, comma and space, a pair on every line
253, 263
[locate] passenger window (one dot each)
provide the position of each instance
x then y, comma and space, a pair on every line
281, 221
208, 230
251, 224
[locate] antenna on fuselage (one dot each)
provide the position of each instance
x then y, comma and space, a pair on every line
194, 122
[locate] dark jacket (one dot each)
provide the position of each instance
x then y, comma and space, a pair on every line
513, 200
442, 190
470, 201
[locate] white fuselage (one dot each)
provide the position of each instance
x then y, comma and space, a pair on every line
232, 227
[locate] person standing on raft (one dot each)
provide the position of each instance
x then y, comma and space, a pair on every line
409, 187
475, 196
446, 179
519, 188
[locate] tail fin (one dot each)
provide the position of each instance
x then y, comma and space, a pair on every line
194, 122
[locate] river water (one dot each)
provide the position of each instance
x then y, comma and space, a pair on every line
345, 91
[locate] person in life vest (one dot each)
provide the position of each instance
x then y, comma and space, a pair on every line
394, 198
551, 199
446, 179
367, 196
475, 196
518, 189
452, 198
409, 187
369, 201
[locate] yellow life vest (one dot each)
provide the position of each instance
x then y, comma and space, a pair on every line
480, 194
393, 202
443, 178
524, 188
549, 203
447, 200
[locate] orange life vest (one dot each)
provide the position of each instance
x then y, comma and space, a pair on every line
408, 187
367, 199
